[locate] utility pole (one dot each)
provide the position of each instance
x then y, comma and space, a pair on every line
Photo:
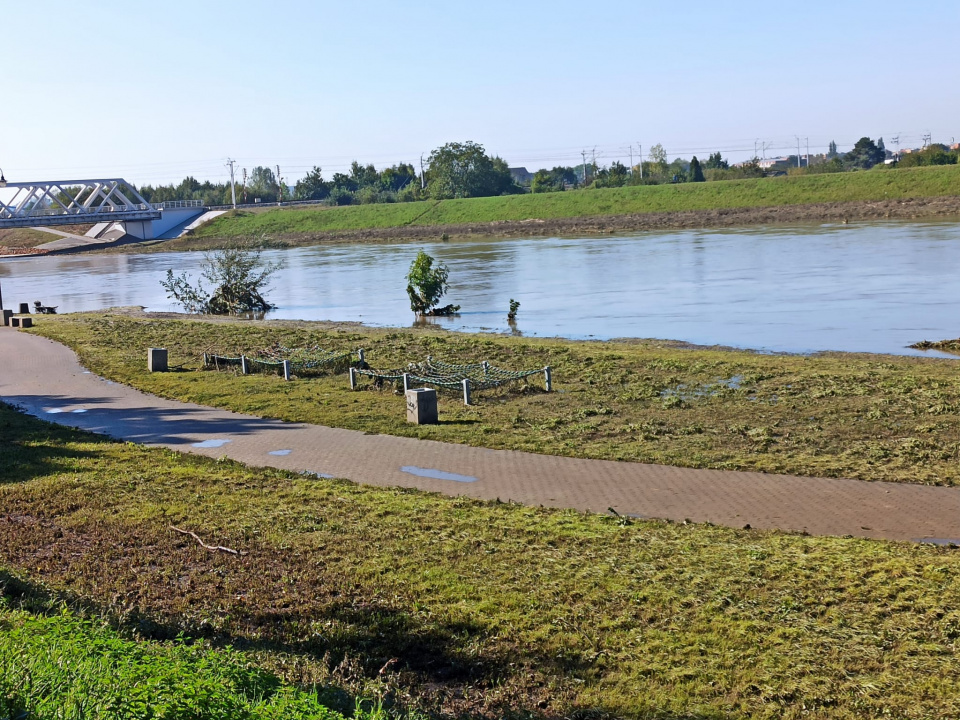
583, 156
423, 182
279, 186
798, 149
808, 151
244, 186
631, 158
640, 148
896, 141
233, 185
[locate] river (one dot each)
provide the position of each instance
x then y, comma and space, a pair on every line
870, 287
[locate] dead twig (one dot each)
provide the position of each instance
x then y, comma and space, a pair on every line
215, 548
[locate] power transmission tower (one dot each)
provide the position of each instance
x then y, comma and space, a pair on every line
926, 139
233, 185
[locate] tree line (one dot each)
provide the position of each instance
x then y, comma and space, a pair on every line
463, 170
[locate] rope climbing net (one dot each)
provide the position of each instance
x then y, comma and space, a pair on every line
301, 361
439, 374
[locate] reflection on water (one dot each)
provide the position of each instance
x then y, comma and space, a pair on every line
871, 287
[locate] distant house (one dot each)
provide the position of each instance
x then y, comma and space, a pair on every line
521, 176
955, 146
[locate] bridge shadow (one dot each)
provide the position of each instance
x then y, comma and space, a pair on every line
145, 424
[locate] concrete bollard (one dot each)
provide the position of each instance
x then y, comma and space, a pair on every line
26, 322
157, 359
466, 391
7, 314
361, 357
548, 379
287, 372
353, 378
422, 406
15, 322
244, 365
406, 382
206, 361
24, 309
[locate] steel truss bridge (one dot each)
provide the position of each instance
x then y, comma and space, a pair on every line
71, 202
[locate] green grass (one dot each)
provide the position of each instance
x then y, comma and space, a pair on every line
21, 238
455, 607
69, 668
872, 417
764, 192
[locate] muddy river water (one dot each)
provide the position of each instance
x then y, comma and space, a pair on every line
872, 287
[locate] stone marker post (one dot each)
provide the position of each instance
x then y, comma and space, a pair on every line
422, 406
548, 379
353, 378
244, 365
466, 391
287, 372
157, 359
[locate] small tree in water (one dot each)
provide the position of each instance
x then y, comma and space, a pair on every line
239, 277
426, 284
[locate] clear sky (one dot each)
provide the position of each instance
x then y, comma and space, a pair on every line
155, 91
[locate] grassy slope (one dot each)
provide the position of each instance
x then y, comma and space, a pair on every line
766, 192
483, 606
871, 417
24, 238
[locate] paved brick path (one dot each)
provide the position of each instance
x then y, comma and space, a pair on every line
46, 380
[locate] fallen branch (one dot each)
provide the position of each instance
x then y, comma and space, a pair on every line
215, 548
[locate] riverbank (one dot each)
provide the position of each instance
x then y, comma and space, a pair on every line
870, 417
459, 608
896, 194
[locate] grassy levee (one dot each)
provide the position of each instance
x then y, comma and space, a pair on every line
764, 192
66, 667
871, 417
460, 608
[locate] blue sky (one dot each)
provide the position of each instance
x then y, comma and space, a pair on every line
153, 93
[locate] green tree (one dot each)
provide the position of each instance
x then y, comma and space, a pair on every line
832, 150
696, 172
426, 284
461, 170
239, 277
716, 162
865, 154
542, 182
262, 184
312, 186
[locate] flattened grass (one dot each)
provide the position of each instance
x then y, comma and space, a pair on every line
763, 192
473, 609
871, 417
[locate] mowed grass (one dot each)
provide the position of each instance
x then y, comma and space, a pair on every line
20, 238
459, 608
66, 667
762, 192
871, 417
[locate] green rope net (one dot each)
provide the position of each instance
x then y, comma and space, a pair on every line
436, 373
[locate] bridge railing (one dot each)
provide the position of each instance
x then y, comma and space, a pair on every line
173, 204
78, 211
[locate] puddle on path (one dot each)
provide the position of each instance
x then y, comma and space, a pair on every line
437, 474
212, 443
313, 473
686, 392
950, 542
280, 452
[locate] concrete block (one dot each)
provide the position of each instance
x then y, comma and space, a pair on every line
14, 322
24, 309
157, 359
422, 406
26, 322
7, 314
